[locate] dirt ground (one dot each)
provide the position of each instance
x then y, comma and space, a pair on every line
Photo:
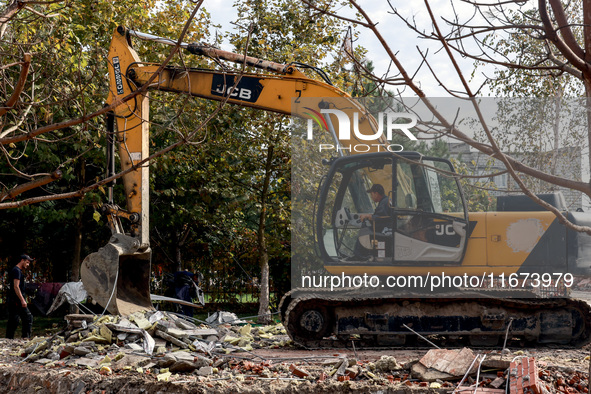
276, 371
268, 362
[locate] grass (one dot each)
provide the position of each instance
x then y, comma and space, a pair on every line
42, 326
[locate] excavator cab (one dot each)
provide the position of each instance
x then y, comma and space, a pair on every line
425, 222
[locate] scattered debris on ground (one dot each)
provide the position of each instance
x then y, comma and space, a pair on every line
164, 352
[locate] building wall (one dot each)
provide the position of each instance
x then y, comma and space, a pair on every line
566, 163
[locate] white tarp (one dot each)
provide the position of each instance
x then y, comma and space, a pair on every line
71, 292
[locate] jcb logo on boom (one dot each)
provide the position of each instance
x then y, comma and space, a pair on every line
244, 89
344, 123
242, 93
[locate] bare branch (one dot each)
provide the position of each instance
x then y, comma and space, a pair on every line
14, 8
565, 29
557, 41
326, 12
57, 174
19, 85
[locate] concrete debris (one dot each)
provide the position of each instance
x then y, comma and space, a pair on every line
81, 351
497, 362
177, 333
132, 361
340, 368
85, 362
223, 317
171, 339
202, 332
205, 371
155, 339
444, 364
183, 366
498, 382
128, 327
184, 352
134, 346
387, 364
182, 356
479, 390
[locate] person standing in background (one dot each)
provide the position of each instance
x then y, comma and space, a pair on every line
17, 305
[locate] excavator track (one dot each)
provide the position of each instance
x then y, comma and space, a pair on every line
320, 318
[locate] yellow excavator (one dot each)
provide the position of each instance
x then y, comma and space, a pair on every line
427, 233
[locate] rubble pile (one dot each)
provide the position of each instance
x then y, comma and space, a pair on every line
563, 379
220, 356
147, 340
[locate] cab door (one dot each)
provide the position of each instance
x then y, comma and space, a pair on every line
430, 216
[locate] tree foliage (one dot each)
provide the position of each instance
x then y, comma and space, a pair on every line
218, 204
53, 129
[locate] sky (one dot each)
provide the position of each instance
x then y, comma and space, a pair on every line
401, 39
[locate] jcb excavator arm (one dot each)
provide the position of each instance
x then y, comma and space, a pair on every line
118, 275
268, 92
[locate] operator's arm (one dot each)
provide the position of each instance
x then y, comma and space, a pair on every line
369, 216
17, 290
380, 212
366, 216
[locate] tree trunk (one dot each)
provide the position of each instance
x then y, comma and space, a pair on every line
588, 110
556, 127
77, 257
587, 73
264, 312
178, 257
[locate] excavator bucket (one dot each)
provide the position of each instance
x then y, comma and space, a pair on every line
118, 276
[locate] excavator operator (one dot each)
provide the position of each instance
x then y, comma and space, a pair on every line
380, 219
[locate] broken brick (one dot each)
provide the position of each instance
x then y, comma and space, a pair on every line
498, 382
524, 376
297, 371
352, 372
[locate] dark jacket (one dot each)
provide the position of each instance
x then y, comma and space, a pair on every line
381, 215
